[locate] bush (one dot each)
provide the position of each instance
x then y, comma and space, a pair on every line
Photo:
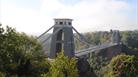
123, 66
62, 66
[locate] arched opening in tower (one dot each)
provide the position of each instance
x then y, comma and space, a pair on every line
60, 41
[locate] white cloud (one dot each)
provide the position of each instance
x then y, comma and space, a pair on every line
88, 15
99, 15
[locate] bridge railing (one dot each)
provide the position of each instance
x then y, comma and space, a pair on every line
93, 49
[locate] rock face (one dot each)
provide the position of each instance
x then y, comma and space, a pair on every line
129, 51
115, 50
110, 52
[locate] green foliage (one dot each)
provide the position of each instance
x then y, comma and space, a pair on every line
130, 39
20, 54
123, 66
94, 38
62, 66
98, 63
39, 66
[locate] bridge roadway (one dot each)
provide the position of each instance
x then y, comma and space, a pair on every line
92, 49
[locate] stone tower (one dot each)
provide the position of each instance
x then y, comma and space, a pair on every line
115, 38
62, 38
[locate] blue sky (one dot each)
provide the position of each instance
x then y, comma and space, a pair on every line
36, 16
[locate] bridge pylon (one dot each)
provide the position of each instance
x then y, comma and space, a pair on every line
115, 37
62, 38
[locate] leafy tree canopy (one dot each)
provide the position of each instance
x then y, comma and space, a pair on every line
63, 66
20, 54
123, 66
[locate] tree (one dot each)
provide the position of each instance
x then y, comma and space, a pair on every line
62, 66
130, 39
20, 54
123, 66
98, 63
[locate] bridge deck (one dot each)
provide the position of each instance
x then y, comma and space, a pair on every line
92, 49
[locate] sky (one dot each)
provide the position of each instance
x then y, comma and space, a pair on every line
36, 16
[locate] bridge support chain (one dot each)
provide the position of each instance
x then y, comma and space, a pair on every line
53, 34
82, 37
45, 32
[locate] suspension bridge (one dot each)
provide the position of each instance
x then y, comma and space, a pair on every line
62, 39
